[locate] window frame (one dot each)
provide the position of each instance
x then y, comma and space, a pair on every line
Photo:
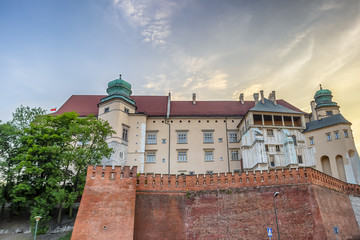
183, 140
208, 154
151, 155
328, 137
208, 137
153, 140
182, 154
234, 153
125, 133
233, 137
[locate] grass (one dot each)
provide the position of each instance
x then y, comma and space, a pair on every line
66, 237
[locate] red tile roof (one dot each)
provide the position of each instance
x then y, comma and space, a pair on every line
157, 106
210, 108
84, 105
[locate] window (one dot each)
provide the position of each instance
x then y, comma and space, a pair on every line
266, 148
182, 137
220, 140
234, 155
294, 140
277, 148
208, 137
328, 136
233, 137
337, 135
209, 171
182, 156
121, 155
346, 134
270, 132
151, 138
209, 157
125, 133
191, 173
300, 160
106, 110
126, 110
329, 113
311, 139
272, 161
163, 140
150, 157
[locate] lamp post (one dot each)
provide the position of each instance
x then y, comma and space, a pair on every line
277, 225
37, 218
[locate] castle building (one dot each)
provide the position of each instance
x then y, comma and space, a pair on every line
159, 135
330, 134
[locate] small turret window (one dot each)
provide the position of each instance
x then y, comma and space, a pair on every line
329, 113
328, 136
106, 110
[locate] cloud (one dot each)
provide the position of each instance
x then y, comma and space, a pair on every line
152, 18
292, 44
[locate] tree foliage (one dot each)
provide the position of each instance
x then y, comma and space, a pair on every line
48, 159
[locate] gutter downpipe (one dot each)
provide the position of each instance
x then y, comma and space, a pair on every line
227, 143
167, 122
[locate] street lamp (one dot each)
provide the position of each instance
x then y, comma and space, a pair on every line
37, 218
277, 225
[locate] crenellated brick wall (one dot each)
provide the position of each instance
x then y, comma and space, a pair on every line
118, 203
107, 209
203, 182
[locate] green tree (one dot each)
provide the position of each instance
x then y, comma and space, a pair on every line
10, 153
54, 158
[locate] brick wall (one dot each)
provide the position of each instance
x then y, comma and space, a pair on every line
218, 206
107, 206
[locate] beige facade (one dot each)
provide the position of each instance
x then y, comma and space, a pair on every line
330, 134
159, 135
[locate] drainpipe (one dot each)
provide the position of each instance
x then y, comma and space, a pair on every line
227, 144
166, 122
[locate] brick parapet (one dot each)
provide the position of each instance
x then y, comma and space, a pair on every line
322, 179
110, 172
202, 182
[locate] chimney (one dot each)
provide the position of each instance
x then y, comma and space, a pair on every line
194, 98
313, 110
270, 97
168, 106
256, 97
274, 97
241, 98
262, 96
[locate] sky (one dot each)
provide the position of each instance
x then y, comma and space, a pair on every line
50, 50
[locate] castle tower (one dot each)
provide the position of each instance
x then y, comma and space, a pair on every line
115, 108
330, 134
323, 106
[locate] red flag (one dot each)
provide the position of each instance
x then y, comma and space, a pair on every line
53, 109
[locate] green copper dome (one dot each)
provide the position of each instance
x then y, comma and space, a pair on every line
323, 98
119, 88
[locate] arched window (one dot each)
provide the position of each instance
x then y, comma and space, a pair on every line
340, 168
325, 164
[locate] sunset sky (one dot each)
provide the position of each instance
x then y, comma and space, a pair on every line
50, 50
